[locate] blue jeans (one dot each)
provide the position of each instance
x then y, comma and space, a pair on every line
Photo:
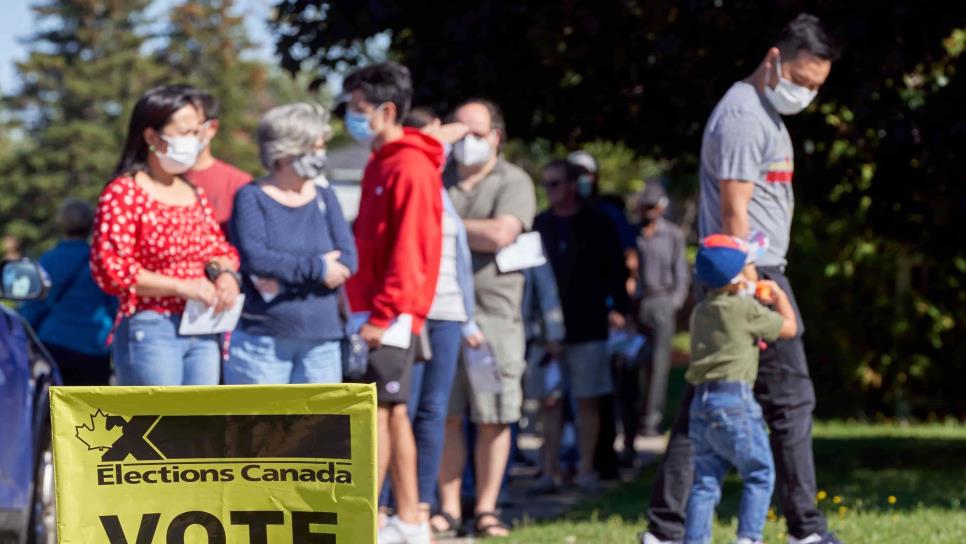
429, 402
428, 405
254, 359
148, 350
727, 429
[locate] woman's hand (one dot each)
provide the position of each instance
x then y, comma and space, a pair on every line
199, 289
336, 273
226, 290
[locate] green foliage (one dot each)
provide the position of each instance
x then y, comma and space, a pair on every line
622, 171
206, 44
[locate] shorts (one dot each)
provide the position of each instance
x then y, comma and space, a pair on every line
391, 369
505, 334
586, 369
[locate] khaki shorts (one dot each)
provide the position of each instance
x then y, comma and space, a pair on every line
506, 336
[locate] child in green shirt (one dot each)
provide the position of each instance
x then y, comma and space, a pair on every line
726, 425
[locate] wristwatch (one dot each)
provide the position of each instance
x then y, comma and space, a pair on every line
213, 270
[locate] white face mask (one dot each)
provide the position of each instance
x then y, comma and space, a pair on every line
181, 155
787, 97
472, 150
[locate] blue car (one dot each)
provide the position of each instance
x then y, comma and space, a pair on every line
26, 372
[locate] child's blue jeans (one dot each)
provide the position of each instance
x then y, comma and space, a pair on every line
727, 430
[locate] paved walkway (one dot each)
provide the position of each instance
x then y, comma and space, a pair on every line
519, 506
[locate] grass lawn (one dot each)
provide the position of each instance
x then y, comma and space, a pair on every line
878, 484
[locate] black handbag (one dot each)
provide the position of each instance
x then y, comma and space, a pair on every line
355, 351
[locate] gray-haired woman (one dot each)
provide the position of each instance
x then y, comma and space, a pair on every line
296, 251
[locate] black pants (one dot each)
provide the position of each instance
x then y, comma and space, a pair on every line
78, 368
787, 397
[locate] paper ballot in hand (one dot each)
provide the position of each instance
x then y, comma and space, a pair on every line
481, 369
200, 319
525, 252
398, 335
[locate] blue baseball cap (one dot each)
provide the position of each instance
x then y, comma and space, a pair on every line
720, 259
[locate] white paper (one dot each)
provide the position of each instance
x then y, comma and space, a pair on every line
399, 334
481, 369
200, 319
525, 252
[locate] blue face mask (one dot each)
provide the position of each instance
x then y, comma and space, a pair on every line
585, 186
357, 125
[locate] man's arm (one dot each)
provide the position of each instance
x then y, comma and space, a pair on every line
735, 197
492, 235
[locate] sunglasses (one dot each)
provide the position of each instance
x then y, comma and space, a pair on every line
551, 183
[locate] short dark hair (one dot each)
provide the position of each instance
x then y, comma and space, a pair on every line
154, 109
209, 105
497, 121
381, 83
419, 117
807, 33
572, 172
75, 218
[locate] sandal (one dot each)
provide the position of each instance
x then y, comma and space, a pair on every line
449, 531
495, 529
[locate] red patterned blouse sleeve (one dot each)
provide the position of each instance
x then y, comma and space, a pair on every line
114, 265
221, 247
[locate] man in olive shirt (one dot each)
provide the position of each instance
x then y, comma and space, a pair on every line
497, 202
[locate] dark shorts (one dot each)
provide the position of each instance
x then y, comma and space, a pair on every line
391, 369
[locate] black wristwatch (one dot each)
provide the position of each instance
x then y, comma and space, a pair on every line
213, 271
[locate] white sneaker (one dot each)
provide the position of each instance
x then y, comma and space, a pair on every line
397, 531
744, 540
813, 538
648, 538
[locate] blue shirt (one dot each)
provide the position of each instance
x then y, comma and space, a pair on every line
79, 318
288, 244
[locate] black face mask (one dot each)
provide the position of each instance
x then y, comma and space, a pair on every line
647, 221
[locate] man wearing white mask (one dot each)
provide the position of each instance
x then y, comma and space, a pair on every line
497, 202
746, 185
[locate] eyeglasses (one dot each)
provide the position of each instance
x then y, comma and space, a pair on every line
551, 183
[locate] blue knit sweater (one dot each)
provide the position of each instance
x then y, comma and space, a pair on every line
288, 244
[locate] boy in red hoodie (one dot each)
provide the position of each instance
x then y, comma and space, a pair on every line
399, 238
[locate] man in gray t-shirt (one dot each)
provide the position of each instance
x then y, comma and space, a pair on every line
746, 171
746, 140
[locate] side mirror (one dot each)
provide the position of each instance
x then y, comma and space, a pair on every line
23, 280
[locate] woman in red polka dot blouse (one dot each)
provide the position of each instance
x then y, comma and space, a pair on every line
154, 237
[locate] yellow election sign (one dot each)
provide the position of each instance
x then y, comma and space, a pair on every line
223, 464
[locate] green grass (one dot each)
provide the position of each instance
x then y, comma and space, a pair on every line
860, 466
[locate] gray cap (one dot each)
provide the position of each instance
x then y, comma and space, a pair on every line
654, 195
